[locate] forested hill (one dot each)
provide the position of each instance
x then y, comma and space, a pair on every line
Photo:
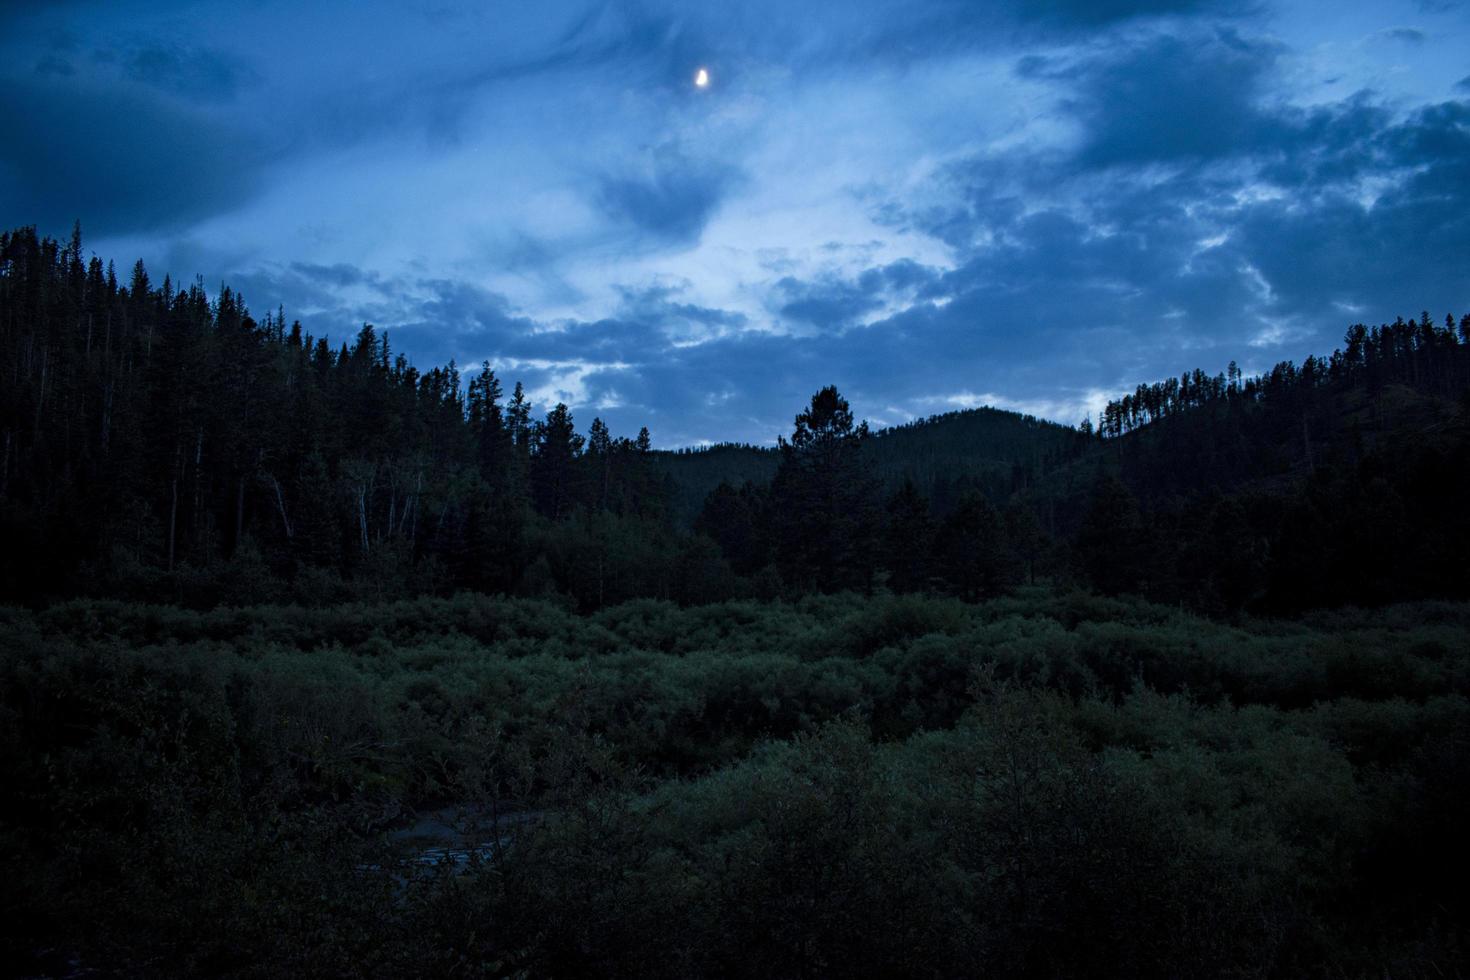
1342, 479
945, 456
1402, 383
690, 474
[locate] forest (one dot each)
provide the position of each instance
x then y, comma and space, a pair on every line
316, 662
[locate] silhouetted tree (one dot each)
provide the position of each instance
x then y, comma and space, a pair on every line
1110, 546
973, 558
823, 502
735, 519
908, 540
555, 449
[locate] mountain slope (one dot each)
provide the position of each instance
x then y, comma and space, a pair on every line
990, 449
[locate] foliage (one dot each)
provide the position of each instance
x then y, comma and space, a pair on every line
891, 786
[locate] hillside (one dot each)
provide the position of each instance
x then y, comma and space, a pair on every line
690, 474
995, 451
1341, 480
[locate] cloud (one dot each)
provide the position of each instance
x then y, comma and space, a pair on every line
1405, 35
1128, 272
193, 73
1171, 98
1096, 13
1156, 185
668, 195
912, 33
1400, 251
54, 64
833, 304
118, 158
680, 322
828, 305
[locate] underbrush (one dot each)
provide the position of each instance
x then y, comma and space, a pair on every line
1048, 784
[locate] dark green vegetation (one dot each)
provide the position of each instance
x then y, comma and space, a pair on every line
1044, 785
161, 446
937, 701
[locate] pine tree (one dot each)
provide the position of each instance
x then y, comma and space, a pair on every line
824, 501
556, 447
973, 557
734, 519
1110, 546
908, 540
488, 428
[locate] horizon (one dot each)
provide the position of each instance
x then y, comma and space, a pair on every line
691, 220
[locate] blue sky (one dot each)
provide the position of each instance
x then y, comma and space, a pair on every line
932, 205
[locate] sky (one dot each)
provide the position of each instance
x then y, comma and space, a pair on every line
933, 205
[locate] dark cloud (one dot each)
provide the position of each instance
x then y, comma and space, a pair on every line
670, 196
117, 158
338, 274
453, 315
194, 73
1172, 98
905, 274
660, 306
1096, 13
912, 33
54, 64
308, 292
828, 305
835, 304
1399, 252
1407, 35
1256, 252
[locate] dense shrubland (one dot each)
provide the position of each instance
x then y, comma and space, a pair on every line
1041, 785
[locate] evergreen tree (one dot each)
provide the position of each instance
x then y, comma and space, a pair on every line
555, 449
491, 436
908, 540
734, 519
1110, 546
823, 500
974, 560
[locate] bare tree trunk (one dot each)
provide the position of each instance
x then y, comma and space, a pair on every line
107, 392
392, 504
411, 504
173, 508
362, 522
281, 505
239, 511
41, 394
194, 516
413, 532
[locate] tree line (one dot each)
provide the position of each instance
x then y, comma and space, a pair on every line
155, 440
1421, 354
156, 443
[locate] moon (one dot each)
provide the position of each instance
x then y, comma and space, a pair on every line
701, 79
